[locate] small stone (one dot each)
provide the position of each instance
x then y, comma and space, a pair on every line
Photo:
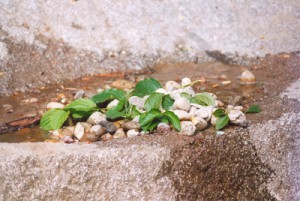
163, 127
131, 125
219, 133
132, 133
186, 81
112, 104
226, 82
30, 100
68, 139
171, 86
223, 77
90, 137
237, 117
79, 94
239, 108
99, 90
247, 77
136, 118
204, 112
137, 101
182, 103
8, 108
68, 131
96, 118
55, 135
119, 133
98, 130
187, 128
79, 130
54, 105
213, 120
106, 137
199, 122
123, 84
110, 127
220, 103
189, 90
182, 115
162, 91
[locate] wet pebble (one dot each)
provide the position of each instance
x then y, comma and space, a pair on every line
8, 108
109, 126
96, 118
54, 105
187, 128
247, 77
79, 94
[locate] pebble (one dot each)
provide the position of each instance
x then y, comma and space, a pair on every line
79, 94
54, 105
213, 120
30, 100
186, 81
247, 77
119, 133
112, 104
132, 133
99, 90
136, 118
68, 139
182, 103
8, 108
204, 112
189, 90
239, 108
79, 130
137, 101
200, 123
123, 84
182, 115
90, 137
98, 129
220, 103
96, 118
106, 137
163, 127
131, 125
68, 131
171, 86
237, 117
219, 133
226, 82
109, 126
187, 128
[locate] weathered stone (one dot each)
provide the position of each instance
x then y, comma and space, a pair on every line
181, 103
182, 115
131, 125
171, 86
98, 130
54, 105
185, 81
123, 84
119, 133
237, 117
96, 118
199, 122
79, 130
247, 77
109, 127
137, 101
79, 94
187, 128
132, 133
8, 108
112, 104
106, 137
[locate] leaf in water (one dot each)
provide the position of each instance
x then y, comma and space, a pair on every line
167, 102
153, 101
107, 95
58, 118
219, 113
113, 113
81, 105
147, 117
54, 119
253, 109
222, 122
204, 99
173, 118
146, 87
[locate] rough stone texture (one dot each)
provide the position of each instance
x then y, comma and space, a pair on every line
50, 41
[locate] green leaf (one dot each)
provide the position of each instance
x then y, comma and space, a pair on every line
253, 109
147, 117
58, 118
204, 99
53, 119
113, 113
80, 115
153, 101
167, 102
222, 122
173, 118
83, 105
151, 126
219, 113
186, 95
107, 95
146, 87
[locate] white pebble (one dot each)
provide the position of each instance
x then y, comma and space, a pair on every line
99, 130
96, 118
171, 86
199, 122
137, 101
182, 115
132, 133
204, 112
54, 105
185, 81
187, 128
112, 104
162, 91
182, 103
79, 131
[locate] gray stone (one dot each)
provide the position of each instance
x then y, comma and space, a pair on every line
131, 125
98, 129
54, 105
96, 118
132, 133
79, 94
109, 127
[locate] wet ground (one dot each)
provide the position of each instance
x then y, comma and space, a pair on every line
273, 73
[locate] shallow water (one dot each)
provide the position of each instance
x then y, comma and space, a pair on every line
213, 72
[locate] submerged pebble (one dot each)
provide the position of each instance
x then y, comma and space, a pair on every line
247, 77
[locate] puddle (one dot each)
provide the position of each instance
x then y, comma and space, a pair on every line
214, 72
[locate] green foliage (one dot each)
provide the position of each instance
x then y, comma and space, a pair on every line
204, 99
107, 95
253, 109
146, 87
54, 119
222, 122
81, 108
174, 120
219, 113
167, 102
153, 101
